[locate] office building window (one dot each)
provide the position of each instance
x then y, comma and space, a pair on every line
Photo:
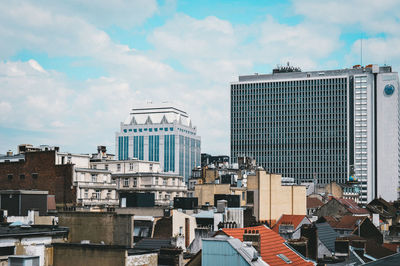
106, 166
126, 182
98, 194
135, 182
86, 194
94, 178
131, 166
118, 167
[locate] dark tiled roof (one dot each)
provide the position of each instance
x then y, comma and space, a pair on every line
332, 221
393, 260
381, 206
348, 222
153, 243
327, 235
37, 230
353, 259
352, 206
313, 203
377, 251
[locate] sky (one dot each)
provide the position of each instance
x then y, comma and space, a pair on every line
70, 71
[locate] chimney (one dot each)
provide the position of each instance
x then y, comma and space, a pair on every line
9, 153
101, 151
342, 248
252, 236
310, 232
221, 205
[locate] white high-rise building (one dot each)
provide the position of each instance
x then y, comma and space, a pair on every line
161, 133
326, 125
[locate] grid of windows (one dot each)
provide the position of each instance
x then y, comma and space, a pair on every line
141, 147
297, 128
157, 148
360, 132
187, 161
181, 154
151, 148
172, 153
123, 147
166, 153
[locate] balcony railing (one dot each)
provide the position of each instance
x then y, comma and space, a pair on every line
96, 201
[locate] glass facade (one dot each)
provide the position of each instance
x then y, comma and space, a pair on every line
181, 155
141, 155
169, 139
166, 153
123, 144
297, 128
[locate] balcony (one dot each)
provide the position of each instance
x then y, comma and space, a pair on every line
100, 185
155, 188
95, 201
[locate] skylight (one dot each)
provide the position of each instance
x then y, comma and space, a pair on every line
284, 258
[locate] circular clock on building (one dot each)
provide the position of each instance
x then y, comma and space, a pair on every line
388, 90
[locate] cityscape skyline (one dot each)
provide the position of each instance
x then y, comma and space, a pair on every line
71, 88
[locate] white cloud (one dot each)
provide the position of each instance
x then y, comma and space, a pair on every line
377, 22
372, 16
211, 52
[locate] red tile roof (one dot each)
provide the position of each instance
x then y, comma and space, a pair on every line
295, 220
313, 203
348, 222
332, 221
271, 244
352, 206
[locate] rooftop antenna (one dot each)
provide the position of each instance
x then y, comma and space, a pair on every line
361, 53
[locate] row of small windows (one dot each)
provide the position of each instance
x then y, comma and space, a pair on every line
148, 129
288, 84
156, 130
22, 176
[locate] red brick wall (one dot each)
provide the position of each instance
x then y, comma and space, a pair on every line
56, 179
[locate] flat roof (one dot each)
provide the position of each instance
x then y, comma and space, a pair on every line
91, 170
309, 74
23, 191
32, 230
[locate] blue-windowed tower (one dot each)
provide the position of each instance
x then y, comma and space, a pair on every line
163, 134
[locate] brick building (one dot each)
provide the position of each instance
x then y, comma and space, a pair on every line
38, 170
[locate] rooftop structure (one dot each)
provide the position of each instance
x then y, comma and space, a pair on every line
161, 133
223, 250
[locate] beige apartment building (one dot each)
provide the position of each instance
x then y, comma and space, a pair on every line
264, 192
271, 199
143, 176
95, 187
